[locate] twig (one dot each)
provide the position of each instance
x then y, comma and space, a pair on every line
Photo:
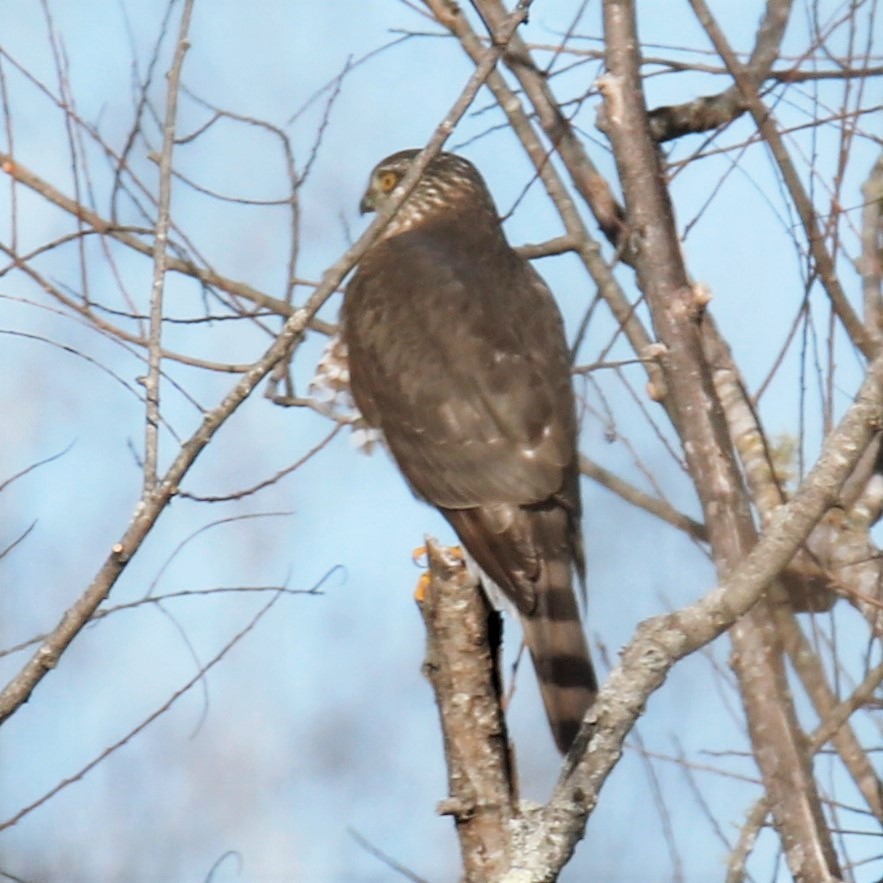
379, 854
76, 777
120, 233
22, 472
160, 245
246, 492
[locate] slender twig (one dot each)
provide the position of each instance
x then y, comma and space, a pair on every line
159, 712
381, 856
160, 247
268, 482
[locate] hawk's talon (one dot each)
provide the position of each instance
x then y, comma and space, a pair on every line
419, 557
421, 587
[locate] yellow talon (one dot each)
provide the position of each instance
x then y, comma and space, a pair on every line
418, 556
421, 587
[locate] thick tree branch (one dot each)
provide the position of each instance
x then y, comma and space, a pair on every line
461, 665
809, 586
702, 426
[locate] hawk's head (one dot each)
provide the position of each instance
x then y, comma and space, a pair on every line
450, 184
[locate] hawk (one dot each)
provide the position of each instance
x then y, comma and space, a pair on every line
457, 353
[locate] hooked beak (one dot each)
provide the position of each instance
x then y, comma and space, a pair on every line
367, 204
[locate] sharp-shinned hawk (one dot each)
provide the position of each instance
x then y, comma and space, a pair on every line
457, 353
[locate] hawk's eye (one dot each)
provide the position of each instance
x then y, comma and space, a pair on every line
387, 181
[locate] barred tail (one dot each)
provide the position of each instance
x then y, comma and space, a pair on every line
554, 635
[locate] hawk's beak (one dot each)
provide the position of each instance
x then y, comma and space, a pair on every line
367, 204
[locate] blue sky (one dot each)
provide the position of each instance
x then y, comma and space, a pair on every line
319, 721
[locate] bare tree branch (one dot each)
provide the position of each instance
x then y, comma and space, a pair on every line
705, 436
160, 245
462, 667
872, 249
125, 235
638, 498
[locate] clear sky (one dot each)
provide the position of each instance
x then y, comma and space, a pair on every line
318, 722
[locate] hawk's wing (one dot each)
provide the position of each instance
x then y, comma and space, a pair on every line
464, 368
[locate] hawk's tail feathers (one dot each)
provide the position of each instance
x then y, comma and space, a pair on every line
557, 643
529, 555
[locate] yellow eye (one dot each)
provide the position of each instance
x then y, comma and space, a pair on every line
387, 181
